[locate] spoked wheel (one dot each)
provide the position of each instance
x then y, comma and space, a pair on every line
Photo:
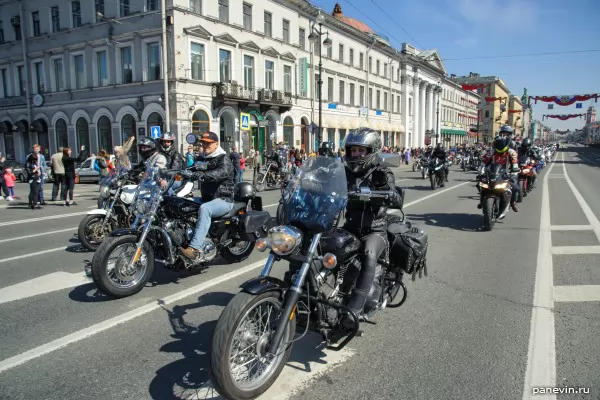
260, 182
111, 270
90, 232
395, 287
240, 365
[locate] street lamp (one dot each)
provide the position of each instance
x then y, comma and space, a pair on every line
315, 37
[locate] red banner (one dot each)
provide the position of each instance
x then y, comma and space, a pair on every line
566, 100
466, 86
511, 111
493, 99
564, 117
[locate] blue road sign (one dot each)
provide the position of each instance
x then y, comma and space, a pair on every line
245, 121
155, 132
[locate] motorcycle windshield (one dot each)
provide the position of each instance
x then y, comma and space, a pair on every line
316, 195
494, 171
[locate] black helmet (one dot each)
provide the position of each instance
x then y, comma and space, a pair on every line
244, 191
501, 144
326, 149
526, 143
150, 144
512, 144
439, 146
363, 137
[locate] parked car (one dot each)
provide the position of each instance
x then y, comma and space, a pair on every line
86, 171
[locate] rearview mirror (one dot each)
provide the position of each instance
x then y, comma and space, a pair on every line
390, 160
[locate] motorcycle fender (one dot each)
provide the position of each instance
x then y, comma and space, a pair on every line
97, 211
124, 232
263, 284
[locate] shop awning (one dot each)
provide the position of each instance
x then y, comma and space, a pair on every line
453, 132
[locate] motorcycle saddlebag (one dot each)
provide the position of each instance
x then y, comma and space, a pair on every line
408, 248
254, 225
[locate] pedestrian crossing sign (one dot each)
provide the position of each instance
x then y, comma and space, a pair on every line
155, 132
244, 121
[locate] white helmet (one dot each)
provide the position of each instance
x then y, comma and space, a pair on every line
167, 136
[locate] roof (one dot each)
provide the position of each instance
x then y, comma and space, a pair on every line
339, 15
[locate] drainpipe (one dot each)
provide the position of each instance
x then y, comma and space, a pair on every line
368, 73
26, 69
163, 16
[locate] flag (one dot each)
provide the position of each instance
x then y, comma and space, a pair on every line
579, 105
550, 106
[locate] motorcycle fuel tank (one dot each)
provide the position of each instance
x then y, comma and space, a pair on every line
341, 243
176, 207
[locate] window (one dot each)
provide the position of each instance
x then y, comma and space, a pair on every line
38, 70
330, 52
385, 70
1, 33
302, 38
330, 89
398, 74
318, 94
126, 65
342, 99
377, 67
99, 14
286, 31
351, 100
341, 53
287, 79
101, 69
57, 70
224, 11
153, 54
55, 19
152, 5
4, 81
196, 6
125, 8
35, 23
17, 28
224, 65
62, 138
487, 113
247, 16
410, 106
392, 104
269, 74
317, 48
398, 104
370, 98
79, 70
361, 61
268, 28
371, 65
385, 101
197, 61
361, 99
248, 72
378, 100
21, 80
76, 13
351, 56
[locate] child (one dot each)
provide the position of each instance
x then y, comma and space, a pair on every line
9, 179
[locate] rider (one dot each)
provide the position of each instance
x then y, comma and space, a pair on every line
150, 156
506, 156
440, 152
217, 188
167, 148
367, 221
526, 151
326, 149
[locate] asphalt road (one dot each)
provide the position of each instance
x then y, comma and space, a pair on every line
499, 313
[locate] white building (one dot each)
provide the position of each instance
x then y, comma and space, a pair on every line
458, 114
90, 72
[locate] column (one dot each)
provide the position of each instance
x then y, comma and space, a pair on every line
430, 107
422, 114
406, 85
436, 97
416, 118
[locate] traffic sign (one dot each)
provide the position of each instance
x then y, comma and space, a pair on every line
155, 132
245, 121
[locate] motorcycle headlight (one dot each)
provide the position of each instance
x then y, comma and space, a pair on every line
502, 185
284, 239
104, 191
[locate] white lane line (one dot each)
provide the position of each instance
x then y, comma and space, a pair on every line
541, 354
29, 220
571, 227
576, 250
577, 293
37, 234
74, 337
43, 284
37, 253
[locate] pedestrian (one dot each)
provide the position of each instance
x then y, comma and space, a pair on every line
69, 163
42, 168
58, 172
242, 167
235, 159
102, 159
9, 179
190, 157
34, 177
2, 183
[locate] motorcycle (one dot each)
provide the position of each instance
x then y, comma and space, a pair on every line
525, 174
124, 262
495, 191
424, 169
273, 175
436, 173
253, 338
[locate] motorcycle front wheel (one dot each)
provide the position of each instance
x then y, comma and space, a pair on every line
110, 266
261, 181
240, 366
90, 232
432, 180
488, 213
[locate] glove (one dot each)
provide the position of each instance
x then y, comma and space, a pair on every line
186, 173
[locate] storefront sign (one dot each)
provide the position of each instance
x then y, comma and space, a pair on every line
303, 76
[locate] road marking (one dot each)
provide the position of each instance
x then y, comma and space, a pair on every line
571, 227
37, 234
43, 284
29, 220
577, 293
74, 337
37, 253
576, 250
541, 354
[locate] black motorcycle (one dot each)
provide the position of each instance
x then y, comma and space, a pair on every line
436, 172
253, 338
124, 262
495, 191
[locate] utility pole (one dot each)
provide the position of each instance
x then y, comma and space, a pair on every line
163, 13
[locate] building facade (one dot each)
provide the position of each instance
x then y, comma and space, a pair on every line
90, 72
458, 114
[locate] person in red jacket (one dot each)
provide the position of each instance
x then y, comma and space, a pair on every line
507, 157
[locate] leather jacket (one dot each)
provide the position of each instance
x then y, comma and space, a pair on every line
174, 160
363, 217
217, 180
439, 154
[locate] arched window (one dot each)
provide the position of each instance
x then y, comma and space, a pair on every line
155, 119
105, 134
128, 130
60, 130
83, 134
288, 131
200, 122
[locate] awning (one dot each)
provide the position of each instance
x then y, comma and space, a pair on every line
453, 132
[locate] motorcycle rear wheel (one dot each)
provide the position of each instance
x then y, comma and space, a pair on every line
261, 182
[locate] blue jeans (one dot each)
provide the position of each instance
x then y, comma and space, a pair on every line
41, 194
213, 208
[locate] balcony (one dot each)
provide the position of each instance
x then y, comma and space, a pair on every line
266, 98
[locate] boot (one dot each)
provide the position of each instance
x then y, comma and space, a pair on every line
356, 304
514, 207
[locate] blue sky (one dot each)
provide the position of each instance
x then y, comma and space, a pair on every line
476, 29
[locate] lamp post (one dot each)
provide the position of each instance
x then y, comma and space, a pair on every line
315, 37
437, 121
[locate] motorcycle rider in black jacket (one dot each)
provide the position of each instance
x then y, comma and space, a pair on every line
367, 220
440, 152
217, 191
167, 148
150, 155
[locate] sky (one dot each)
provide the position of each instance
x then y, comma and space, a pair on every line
502, 38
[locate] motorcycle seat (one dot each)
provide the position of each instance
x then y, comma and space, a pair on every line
237, 206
